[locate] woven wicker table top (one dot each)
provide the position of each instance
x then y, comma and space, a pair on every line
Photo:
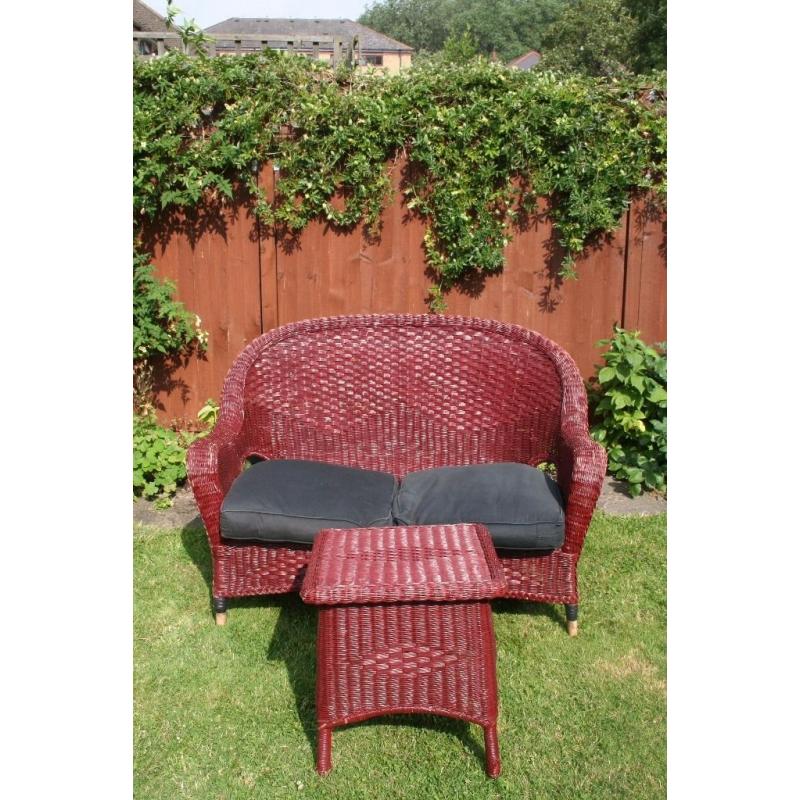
402, 564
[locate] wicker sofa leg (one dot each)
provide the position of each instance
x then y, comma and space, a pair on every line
492, 748
221, 610
572, 618
324, 747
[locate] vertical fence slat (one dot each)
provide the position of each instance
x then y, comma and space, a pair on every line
646, 279
268, 258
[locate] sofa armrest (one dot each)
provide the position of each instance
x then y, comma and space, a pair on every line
213, 463
580, 467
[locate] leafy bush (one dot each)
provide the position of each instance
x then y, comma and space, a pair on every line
161, 324
209, 413
159, 460
628, 400
483, 142
159, 454
162, 329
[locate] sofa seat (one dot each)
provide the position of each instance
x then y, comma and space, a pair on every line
290, 501
520, 505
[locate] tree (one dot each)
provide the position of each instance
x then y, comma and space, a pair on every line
422, 24
507, 27
592, 37
459, 49
650, 40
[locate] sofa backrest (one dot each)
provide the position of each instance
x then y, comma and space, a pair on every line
402, 392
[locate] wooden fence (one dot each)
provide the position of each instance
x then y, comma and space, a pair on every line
242, 282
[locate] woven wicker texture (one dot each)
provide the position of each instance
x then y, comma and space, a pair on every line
400, 393
245, 569
436, 655
399, 398
406, 658
386, 565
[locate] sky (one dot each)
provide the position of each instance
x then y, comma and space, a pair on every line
209, 12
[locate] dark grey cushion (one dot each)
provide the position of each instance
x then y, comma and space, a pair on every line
291, 501
520, 505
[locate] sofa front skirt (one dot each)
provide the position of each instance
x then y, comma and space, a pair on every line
250, 569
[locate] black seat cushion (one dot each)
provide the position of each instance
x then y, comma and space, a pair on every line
520, 505
290, 501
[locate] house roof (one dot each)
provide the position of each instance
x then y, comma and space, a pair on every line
526, 60
145, 19
346, 28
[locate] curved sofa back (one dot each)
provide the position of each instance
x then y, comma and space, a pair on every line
400, 392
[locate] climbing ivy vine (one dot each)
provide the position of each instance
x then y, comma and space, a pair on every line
482, 142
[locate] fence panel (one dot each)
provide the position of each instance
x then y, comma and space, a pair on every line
529, 291
242, 283
213, 259
328, 272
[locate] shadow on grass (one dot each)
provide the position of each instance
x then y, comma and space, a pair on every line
465, 732
293, 640
195, 543
527, 608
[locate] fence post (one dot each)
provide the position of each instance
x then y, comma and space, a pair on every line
624, 305
268, 255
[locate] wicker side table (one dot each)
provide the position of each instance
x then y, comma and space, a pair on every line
405, 626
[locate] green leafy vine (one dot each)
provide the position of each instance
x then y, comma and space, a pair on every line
482, 143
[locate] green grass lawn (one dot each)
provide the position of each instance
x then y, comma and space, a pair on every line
229, 712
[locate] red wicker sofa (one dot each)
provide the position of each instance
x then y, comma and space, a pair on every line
400, 393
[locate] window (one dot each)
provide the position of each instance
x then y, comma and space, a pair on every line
375, 61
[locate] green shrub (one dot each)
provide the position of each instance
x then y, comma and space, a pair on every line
162, 330
159, 460
628, 401
208, 414
161, 324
